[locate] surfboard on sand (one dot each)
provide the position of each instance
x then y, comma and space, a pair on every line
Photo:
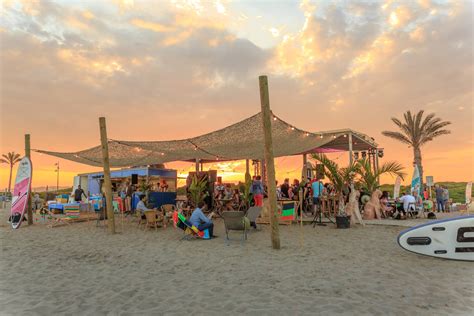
21, 192
449, 239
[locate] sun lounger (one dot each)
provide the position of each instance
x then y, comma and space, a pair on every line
235, 220
72, 216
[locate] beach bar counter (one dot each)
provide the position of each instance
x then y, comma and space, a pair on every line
154, 178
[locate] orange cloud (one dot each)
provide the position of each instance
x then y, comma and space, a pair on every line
156, 27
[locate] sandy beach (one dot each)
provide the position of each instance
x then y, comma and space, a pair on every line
81, 270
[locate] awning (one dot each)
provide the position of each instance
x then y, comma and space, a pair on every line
242, 140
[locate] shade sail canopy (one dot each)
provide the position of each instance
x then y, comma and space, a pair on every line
242, 140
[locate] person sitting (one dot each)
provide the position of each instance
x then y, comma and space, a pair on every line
141, 207
200, 220
236, 198
387, 210
405, 201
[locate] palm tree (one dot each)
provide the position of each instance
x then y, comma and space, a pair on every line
339, 177
416, 131
11, 158
368, 178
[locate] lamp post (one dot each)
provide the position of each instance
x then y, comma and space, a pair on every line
57, 177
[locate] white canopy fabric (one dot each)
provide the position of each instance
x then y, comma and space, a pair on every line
242, 140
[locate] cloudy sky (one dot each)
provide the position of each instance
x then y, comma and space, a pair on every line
173, 69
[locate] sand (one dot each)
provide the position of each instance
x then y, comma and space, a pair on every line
81, 270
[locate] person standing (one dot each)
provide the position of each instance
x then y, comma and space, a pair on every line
78, 193
257, 191
317, 188
128, 196
439, 198
285, 187
445, 199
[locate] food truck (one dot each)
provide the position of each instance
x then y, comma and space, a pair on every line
159, 183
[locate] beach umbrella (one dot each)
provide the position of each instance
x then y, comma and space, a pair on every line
416, 181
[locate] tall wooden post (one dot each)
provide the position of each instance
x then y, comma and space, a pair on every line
29, 212
376, 164
269, 159
351, 154
247, 168
303, 170
197, 165
107, 182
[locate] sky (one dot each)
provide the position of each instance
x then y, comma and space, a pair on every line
160, 70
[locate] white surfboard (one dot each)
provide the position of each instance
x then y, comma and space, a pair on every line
449, 239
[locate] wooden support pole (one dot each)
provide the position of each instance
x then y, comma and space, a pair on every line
247, 169
303, 173
107, 182
351, 154
197, 165
29, 212
269, 159
376, 164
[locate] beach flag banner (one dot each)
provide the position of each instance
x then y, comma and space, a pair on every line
288, 211
416, 181
396, 188
469, 193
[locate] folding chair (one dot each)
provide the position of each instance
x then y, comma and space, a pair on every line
190, 231
235, 220
252, 214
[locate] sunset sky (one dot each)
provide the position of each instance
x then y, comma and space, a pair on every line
161, 70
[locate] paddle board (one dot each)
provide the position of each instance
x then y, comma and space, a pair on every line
21, 192
449, 239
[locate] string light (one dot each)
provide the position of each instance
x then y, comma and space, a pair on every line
345, 135
274, 118
321, 136
292, 128
307, 134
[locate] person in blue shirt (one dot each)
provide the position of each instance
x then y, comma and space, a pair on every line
317, 188
201, 221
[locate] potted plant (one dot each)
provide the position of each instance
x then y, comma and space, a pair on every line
340, 178
197, 190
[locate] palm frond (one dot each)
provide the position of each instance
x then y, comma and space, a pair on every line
392, 168
398, 136
418, 118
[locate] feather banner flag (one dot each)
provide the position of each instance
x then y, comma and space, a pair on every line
469, 192
396, 187
416, 181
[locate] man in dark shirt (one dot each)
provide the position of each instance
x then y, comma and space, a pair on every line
439, 198
285, 188
78, 193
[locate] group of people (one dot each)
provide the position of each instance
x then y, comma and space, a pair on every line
442, 198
